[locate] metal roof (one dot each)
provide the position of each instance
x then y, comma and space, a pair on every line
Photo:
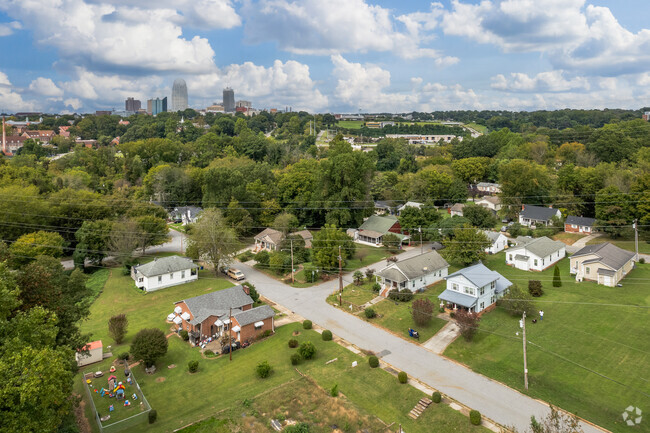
541, 247
253, 315
539, 213
414, 267
454, 297
379, 223
609, 254
165, 265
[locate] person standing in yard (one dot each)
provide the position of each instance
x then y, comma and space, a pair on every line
541, 315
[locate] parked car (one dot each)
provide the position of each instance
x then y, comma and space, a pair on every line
235, 274
504, 228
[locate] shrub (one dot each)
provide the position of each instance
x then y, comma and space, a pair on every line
370, 274
264, 334
376, 287
357, 277
327, 335
263, 369
123, 356
401, 296
307, 350
149, 345
436, 397
252, 291
262, 258
293, 343
642, 260
535, 288
184, 335
295, 359
370, 313
373, 361
516, 301
117, 326
475, 417
334, 392
306, 324
557, 281
468, 323
208, 353
153, 415
297, 428
402, 377
452, 314
246, 256
422, 311
193, 366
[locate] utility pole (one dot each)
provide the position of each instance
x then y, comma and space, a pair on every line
292, 280
230, 333
523, 325
636, 239
421, 245
340, 279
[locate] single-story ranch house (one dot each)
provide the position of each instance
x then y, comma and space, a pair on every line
164, 272
415, 273
270, 239
535, 254
475, 288
537, 215
373, 229
456, 210
490, 202
499, 241
208, 316
605, 264
583, 225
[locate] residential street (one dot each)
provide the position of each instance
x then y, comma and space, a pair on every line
496, 401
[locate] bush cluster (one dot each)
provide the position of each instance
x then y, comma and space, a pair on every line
263, 369
475, 417
370, 313
153, 415
334, 392
246, 256
266, 333
535, 288
293, 343
295, 359
373, 361
306, 324
307, 350
402, 377
184, 335
327, 335
193, 366
123, 356
376, 287
402, 296
208, 353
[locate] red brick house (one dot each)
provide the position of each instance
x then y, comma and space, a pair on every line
45, 136
582, 225
209, 316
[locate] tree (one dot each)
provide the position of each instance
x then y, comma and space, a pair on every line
535, 288
516, 301
613, 210
117, 326
123, 240
41, 243
479, 216
263, 369
93, 239
285, 222
307, 350
468, 322
555, 422
326, 245
297, 243
413, 218
252, 291
422, 311
212, 239
152, 231
470, 170
467, 246
391, 241
238, 218
149, 345
358, 277
523, 182
557, 281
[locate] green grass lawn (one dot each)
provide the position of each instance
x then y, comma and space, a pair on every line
97, 280
179, 227
480, 128
568, 238
610, 340
350, 124
626, 243
357, 295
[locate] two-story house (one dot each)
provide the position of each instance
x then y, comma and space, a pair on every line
415, 273
475, 288
535, 254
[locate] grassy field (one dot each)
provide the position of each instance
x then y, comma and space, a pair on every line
581, 331
350, 124
624, 243
568, 238
357, 295
480, 128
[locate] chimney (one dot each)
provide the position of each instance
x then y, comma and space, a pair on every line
522, 206
4, 137
247, 290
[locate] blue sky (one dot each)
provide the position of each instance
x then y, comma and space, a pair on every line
327, 55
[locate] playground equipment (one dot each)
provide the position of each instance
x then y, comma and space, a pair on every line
119, 391
111, 408
134, 396
112, 369
112, 383
127, 403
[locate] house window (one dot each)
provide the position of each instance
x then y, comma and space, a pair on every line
482, 305
587, 270
182, 274
160, 278
543, 262
454, 286
510, 257
493, 300
413, 285
573, 226
535, 262
140, 279
469, 290
482, 292
493, 284
171, 276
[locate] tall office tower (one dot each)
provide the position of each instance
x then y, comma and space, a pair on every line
228, 100
132, 104
179, 95
155, 106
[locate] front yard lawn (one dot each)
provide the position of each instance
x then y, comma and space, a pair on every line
357, 295
568, 238
581, 327
626, 243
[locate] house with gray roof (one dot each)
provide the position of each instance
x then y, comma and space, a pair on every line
532, 216
415, 273
372, 231
582, 225
535, 254
164, 272
475, 288
605, 264
219, 313
499, 241
186, 214
270, 239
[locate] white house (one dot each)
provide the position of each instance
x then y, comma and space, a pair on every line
536, 254
490, 202
408, 204
488, 188
499, 242
95, 354
474, 288
456, 210
415, 273
187, 214
164, 272
531, 216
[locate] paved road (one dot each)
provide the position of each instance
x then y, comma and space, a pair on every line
496, 401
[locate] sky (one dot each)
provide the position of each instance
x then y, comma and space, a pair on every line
327, 55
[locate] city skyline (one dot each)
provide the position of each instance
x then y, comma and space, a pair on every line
395, 57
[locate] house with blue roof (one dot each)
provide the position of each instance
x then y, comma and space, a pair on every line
475, 288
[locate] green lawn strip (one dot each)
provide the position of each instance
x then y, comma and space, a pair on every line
97, 280
357, 295
350, 124
626, 243
480, 128
366, 255
605, 339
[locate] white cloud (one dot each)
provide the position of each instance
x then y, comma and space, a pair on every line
7, 29
10, 99
104, 36
336, 26
45, 87
551, 81
74, 103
